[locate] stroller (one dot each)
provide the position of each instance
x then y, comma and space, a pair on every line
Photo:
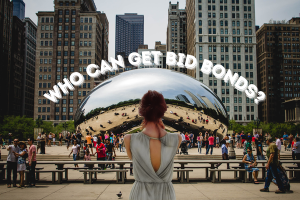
183, 148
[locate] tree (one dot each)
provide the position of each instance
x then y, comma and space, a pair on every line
47, 126
20, 127
70, 127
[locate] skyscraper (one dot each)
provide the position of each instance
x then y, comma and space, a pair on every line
223, 31
176, 32
278, 61
19, 9
68, 40
29, 67
129, 33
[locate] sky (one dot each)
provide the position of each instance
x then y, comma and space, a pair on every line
156, 14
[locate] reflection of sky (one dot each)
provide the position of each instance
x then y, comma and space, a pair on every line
135, 83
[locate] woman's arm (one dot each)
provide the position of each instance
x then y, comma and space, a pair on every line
179, 140
245, 160
71, 153
127, 145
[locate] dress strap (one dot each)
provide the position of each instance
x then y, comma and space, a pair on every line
154, 138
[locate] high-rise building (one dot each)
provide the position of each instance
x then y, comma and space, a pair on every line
19, 9
176, 32
68, 40
163, 49
17, 67
223, 31
278, 61
6, 23
129, 33
29, 67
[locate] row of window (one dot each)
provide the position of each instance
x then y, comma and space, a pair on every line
225, 49
225, 1
67, 20
215, 82
47, 28
45, 53
46, 43
59, 35
233, 8
86, 20
85, 27
240, 117
66, 28
45, 69
66, 4
66, 43
45, 61
47, 20
67, 12
225, 15
44, 85
46, 35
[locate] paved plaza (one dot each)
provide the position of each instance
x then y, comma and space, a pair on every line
106, 188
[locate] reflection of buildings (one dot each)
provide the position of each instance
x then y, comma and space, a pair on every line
226, 38
195, 99
208, 103
182, 97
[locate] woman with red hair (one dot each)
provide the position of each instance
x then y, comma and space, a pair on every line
152, 152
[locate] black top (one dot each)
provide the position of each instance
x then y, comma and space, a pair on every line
79, 136
257, 149
109, 147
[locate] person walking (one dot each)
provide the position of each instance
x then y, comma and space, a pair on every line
43, 143
95, 139
12, 163
60, 138
285, 140
21, 166
210, 145
110, 150
259, 150
53, 138
49, 139
224, 147
272, 166
31, 162
297, 150
278, 144
68, 140
100, 150
89, 141
199, 142
121, 143
75, 151
38, 139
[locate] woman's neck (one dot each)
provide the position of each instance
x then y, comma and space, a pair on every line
154, 130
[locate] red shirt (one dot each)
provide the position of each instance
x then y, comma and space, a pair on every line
100, 153
211, 140
187, 137
32, 149
253, 139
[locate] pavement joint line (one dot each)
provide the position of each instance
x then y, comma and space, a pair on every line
200, 191
12, 189
103, 191
55, 191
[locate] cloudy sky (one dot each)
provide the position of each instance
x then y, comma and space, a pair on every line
156, 14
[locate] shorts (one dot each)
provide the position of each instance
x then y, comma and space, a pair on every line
243, 140
285, 142
39, 145
53, 139
260, 157
89, 145
21, 167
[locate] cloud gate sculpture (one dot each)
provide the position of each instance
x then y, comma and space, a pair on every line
113, 104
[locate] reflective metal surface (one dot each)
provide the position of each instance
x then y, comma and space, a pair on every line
113, 105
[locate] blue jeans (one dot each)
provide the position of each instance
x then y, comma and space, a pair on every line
199, 147
74, 158
272, 171
209, 147
120, 145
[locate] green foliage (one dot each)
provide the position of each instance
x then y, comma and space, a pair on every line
47, 126
60, 127
275, 129
20, 127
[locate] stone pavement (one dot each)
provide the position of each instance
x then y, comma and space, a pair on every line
107, 191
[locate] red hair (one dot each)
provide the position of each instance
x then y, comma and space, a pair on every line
152, 106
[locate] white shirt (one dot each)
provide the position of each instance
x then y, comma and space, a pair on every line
95, 139
183, 136
75, 149
278, 144
11, 156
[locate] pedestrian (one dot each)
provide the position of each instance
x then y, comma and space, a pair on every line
291, 138
285, 140
49, 139
87, 156
60, 138
38, 139
110, 150
297, 150
78, 137
12, 163
89, 141
53, 138
43, 143
272, 166
217, 141
247, 145
210, 145
31, 162
121, 142
75, 151
238, 144
100, 150
250, 165
224, 148
21, 166
259, 150
95, 139
10, 138
68, 139
199, 142
191, 136
278, 144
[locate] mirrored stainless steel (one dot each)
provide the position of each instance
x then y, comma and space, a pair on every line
113, 105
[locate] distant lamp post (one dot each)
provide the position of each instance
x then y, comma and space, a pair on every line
231, 150
257, 122
39, 122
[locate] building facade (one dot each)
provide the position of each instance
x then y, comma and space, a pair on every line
19, 9
129, 33
223, 31
68, 40
176, 32
278, 58
29, 67
6, 23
